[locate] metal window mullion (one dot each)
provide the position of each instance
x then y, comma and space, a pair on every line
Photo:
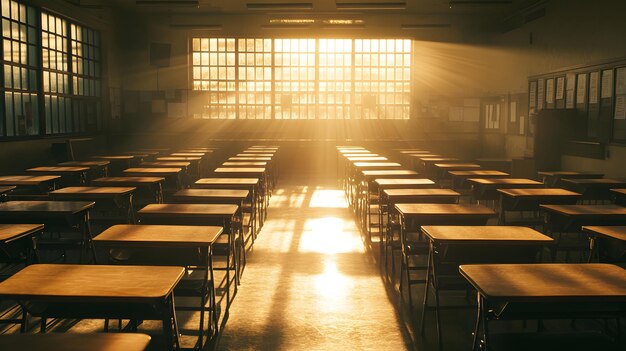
273, 83
236, 76
317, 79
353, 81
70, 77
40, 70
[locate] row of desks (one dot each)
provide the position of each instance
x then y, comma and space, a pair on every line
459, 245
112, 293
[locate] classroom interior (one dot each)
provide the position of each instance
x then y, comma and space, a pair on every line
312, 175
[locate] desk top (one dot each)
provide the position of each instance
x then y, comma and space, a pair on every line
74, 342
420, 192
129, 180
619, 191
245, 164
116, 157
260, 150
224, 193
478, 173
570, 174
537, 192
165, 235
86, 163
10, 232
189, 209
504, 181
59, 169
142, 153
239, 170
11, 208
586, 210
548, 282
616, 232
426, 155
456, 165
174, 159
188, 154
367, 158
413, 151
93, 191
438, 159
404, 181
159, 164
376, 164
6, 189
154, 171
27, 180
254, 155
443, 209
510, 234
91, 283
361, 155
494, 159
228, 181
595, 181
249, 158
205, 150
387, 172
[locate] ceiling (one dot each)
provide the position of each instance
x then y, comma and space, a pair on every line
490, 8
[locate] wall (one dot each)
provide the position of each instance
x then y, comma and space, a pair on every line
573, 32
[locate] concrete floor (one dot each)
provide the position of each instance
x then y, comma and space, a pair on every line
310, 284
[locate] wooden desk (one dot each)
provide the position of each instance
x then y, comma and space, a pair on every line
30, 184
230, 196
427, 164
401, 183
246, 154
18, 243
74, 342
56, 216
169, 245
173, 176
600, 238
553, 178
451, 246
371, 175
546, 288
619, 196
98, 292
258, 159
376, 165
224, 215
69, 175
105, 198
4, 191
487, 188
119, 162
593, 189
196, 163
444, 168
149, 189
366, 158
414, 216
96, 168
245, 164
570, 218
459, 178
530, 199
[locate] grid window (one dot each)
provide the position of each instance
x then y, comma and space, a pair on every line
382, 78
294, 61
255, 78
214, 72
335, 78
56, 88
302, 78
85, 74
19, 63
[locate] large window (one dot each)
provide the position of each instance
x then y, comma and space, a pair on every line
51, 73
20, 62
302, 78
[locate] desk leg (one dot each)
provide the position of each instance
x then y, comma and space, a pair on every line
429, 271
170, 326
479, 316
212, 295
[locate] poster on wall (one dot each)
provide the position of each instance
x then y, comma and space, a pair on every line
532, 94
550, 91
582, 89
560, 87
607, 84
540, 96
593, 87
